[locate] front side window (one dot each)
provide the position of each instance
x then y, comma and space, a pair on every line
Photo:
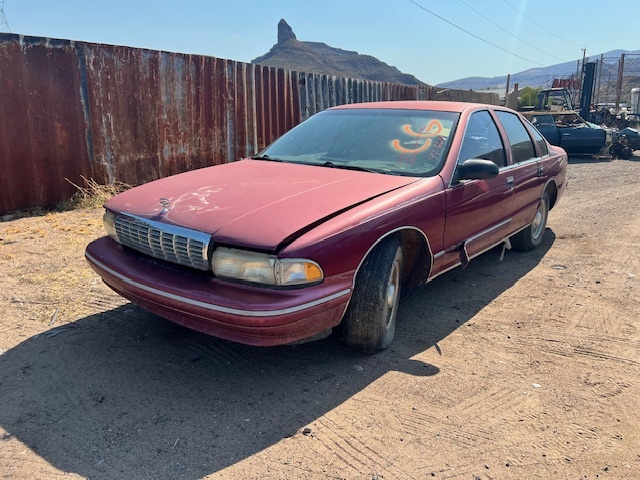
482, 140
398, 142
521, 144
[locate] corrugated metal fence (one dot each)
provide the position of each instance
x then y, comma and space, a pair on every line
71, 109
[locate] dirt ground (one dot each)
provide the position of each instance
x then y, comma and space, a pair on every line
527, 368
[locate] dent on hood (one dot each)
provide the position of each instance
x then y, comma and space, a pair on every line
204, 199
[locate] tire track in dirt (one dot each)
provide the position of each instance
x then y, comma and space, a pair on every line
104, 303
605, 386
355, 454
452, 429
485, 419
591, 346
482, 403
224, 355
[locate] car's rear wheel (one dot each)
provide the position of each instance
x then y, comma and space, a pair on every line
531, 237
370, 323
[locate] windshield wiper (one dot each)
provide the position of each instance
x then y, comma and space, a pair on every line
348, 167
265, 157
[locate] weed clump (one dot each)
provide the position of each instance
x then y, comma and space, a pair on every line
91, 195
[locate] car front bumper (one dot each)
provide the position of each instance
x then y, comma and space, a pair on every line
241, 313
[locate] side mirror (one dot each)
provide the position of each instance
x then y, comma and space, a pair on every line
476, 169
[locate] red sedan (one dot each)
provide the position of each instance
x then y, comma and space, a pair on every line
329, 223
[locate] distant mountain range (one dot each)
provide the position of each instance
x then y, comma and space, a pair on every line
534, 77
314, 57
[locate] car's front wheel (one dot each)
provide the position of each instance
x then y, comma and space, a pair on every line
370, 323
531, 237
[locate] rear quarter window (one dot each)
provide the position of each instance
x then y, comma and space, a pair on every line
541, 145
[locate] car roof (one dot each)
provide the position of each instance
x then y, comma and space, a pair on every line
443, 106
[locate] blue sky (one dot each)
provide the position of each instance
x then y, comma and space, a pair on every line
397, 32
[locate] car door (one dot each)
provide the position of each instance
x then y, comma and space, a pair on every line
478, 212
577, 136
524, 168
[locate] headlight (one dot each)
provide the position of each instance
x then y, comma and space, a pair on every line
264, 269
109, 220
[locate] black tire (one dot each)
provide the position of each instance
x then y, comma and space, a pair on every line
370, 322
531, 237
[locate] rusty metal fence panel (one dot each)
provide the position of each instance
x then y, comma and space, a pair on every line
111, 113
42, 130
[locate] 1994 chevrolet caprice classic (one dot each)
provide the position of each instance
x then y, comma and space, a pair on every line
326, 225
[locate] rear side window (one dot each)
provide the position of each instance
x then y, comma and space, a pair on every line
521, 144
538, 140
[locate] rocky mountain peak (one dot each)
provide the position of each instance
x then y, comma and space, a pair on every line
316, 57
285, 32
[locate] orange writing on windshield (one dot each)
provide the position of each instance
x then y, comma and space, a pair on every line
433, 129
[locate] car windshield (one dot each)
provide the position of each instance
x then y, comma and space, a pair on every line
398, 142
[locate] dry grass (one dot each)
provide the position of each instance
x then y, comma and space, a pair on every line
92, 194
46, 280
44, 271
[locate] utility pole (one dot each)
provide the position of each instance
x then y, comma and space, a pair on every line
4, 25
579, 77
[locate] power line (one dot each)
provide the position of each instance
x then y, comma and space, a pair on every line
474, 35
509, 33
536, 23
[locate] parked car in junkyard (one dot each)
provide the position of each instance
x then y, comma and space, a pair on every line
567, 129
329, 223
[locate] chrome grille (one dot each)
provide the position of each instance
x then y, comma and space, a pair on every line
166, 242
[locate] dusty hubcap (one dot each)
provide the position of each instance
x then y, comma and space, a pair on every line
538, 221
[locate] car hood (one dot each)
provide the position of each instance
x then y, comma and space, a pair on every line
255, 204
